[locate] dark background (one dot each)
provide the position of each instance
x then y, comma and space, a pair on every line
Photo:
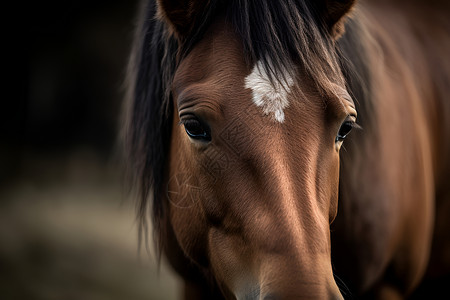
67, 228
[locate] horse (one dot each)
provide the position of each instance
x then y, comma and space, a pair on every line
295, 148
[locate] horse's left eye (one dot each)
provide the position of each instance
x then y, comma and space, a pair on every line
196, 130
345, 129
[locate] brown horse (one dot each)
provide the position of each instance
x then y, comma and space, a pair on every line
237, 118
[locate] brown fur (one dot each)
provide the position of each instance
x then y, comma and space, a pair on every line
240, 244
395, 225
248, 215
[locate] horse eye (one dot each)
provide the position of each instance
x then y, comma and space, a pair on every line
345, 129
196, 130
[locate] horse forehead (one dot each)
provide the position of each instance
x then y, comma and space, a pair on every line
270, 95
217, 67
218, 58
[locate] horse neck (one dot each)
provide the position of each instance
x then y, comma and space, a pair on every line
410, 43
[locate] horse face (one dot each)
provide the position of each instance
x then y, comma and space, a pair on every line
254, 166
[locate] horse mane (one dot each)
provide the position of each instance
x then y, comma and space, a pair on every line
148, 113
354, 58
277, 33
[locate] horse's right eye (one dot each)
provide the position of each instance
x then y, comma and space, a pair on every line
196, 130
345, 129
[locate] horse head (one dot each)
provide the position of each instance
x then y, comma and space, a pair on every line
260, 112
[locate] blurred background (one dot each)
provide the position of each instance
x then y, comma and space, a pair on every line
67, 227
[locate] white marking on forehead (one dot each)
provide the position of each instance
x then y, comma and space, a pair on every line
272, 98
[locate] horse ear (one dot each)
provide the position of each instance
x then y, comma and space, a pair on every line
334, 13
181, 15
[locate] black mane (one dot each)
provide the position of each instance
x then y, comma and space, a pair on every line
279, 33
148, 113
